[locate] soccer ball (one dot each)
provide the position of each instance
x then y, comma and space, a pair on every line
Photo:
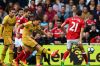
91, 50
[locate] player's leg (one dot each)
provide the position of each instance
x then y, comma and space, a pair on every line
28, 51
83, 53
67, 52
38, 58
5, 48
3, 54
32, 43
11, 53
43, 50
17, 45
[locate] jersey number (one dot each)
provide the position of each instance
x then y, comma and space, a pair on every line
74, 27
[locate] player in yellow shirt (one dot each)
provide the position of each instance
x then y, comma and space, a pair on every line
28, 40
7, 30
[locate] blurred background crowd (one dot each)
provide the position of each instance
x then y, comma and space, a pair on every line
54, 12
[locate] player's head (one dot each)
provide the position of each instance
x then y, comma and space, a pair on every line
36, 21
12, 12
59, 23
27, 12
20, 12
78, 13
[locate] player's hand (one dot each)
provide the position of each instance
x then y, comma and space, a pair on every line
49, 35
1, 37
80, 42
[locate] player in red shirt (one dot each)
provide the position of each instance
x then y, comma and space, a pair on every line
18, 39
74, 35
21, 18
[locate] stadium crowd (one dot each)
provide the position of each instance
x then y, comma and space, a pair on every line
53, 13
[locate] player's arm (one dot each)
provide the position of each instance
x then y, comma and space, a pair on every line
24, 25
42, 31
81, 35
16, 26
4, 22
65, 22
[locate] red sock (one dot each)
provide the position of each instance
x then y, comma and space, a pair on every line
22, 53
85, 57
18, 53
65, 55
27, 54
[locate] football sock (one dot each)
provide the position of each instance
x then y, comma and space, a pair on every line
65, 55
38, 58
20, 56
27, 54
11, 55
85, 57
18, 53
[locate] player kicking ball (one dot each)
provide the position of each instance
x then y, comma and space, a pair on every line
28, 40
74, 35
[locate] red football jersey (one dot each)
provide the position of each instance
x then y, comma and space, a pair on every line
21, 20
74, 28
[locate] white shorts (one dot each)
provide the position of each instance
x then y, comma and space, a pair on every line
70, 42
18, 42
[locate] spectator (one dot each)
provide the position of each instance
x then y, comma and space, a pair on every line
81, 5
97, 16
90, 21
16, 6
2, 14
55, 20
93, 32
44, 23
2, 3
39, 12
73, 12
9, 6
50, 13
85, 13
95, 39
92, 5
32, 6
63, 14
23, 3
57, 33
47, 4
57, 6
39, 39
69, 6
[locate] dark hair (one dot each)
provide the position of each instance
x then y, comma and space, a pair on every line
11, 9
37, 19
39, 4
26, 10
79, 13
20, 9
63, 6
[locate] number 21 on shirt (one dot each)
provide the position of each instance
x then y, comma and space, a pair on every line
74, 27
